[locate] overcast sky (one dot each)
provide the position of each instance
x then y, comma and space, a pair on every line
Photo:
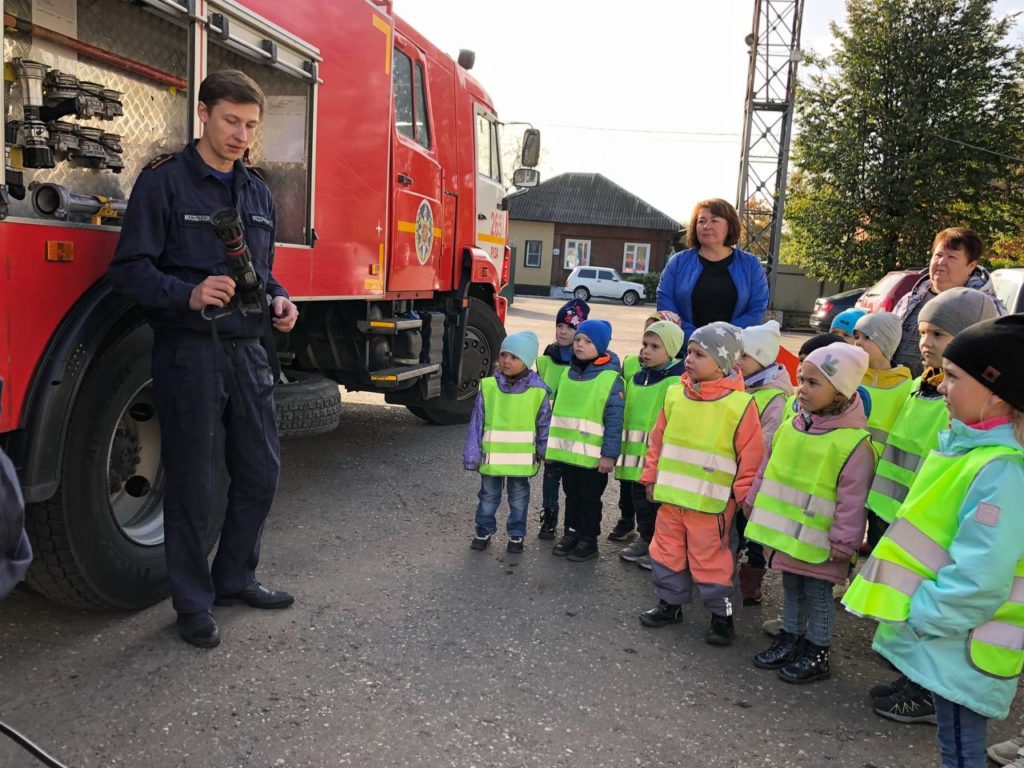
650, 94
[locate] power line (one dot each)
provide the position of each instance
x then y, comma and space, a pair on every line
1017, 160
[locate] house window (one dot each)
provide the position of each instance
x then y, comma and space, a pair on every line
577, 254
636, 258
532, 254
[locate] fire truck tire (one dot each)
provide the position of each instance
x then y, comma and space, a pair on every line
306, 405
98, 542
484, 334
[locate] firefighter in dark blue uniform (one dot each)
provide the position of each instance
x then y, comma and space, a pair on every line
170, 262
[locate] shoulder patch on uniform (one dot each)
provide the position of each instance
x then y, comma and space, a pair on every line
159, 160
988, 514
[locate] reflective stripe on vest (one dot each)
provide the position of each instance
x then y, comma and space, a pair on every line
764, 396
796, 503
577, 420
697, 466
997, 647
916, 548
551, 372
643, 404
913, 435
510, 422
885, 407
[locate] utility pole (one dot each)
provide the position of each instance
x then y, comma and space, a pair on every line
768, 127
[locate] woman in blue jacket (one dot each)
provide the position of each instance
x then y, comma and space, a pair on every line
713, 280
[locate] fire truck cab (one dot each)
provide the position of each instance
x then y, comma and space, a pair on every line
383, 157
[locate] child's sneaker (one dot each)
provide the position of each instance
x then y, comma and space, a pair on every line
481, 541
634, 551
515, 544
624, 530
910, 704
662, 615
1009, 752
838, 590
882, 690
772, 627
644, 561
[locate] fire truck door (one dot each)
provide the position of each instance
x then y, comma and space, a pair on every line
491, 221
416, 177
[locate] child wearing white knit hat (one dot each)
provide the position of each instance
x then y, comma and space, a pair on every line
824, 455
769, 383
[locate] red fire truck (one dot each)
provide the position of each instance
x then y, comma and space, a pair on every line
383, 156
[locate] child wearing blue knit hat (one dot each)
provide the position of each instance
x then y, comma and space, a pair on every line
551, 366
845, 322
586, 435
507, 438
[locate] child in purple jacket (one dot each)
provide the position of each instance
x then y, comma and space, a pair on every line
507, 438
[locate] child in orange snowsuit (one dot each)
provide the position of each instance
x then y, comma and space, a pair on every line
704, 453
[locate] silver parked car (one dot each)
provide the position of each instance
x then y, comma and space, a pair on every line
605, 283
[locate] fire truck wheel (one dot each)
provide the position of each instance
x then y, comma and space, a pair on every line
484, 334
306, 405
98, 541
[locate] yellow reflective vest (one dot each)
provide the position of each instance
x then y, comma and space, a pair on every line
551, 372
643, 404
916, 548
698, 461
509, 447
914, 433
885, 407
796, 503
577, 420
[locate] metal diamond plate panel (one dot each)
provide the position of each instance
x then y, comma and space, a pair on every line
155, 117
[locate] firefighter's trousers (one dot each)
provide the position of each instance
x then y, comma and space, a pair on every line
199, 385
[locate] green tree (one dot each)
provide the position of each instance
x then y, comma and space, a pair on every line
910, 126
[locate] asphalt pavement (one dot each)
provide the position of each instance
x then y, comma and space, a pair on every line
406, 648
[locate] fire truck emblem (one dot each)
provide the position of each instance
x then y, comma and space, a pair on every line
424, 232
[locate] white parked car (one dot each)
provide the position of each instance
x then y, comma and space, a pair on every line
605, 283
1009, 285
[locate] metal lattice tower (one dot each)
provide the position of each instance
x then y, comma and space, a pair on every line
768, 126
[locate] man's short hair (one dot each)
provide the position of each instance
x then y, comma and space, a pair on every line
723, 210
231, 85
960, 239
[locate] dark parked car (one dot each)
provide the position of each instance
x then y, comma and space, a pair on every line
827, 307
883, 295
1009, 285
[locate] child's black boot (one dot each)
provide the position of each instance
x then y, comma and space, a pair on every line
662, 615
567, 543
585, 549
785, 649
721, 631
548, 524
811, 665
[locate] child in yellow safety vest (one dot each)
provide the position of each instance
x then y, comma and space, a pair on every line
769, 383
704, 452
914, 435
946, 582
507, 438
586, 435
923, 414
552, 365
625, 529
645, 395
879, 334
807, 504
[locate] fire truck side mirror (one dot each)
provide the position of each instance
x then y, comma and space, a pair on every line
525, 177
531, 148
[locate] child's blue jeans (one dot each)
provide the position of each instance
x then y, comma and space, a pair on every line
961, 735
490, 500
808, 608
